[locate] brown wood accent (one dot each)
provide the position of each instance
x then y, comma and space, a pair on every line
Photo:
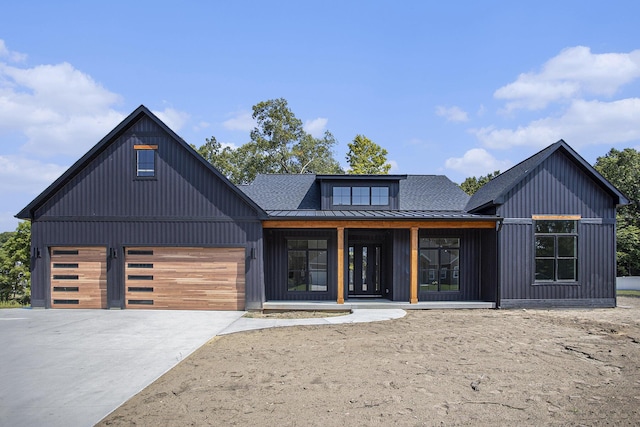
340, 265
413, 297
379, 224
188, 279
91, 278
145, 147
552, 217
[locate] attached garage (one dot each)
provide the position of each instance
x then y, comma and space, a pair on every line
185, 278
78, 277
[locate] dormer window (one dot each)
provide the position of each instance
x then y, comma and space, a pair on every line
360, 196
341, 196
379, 196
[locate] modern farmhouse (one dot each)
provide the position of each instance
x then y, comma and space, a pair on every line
143, 221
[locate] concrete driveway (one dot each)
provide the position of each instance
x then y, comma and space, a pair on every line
73, 367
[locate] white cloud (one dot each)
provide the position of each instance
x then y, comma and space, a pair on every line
477, 162
316, 127
23, 175
452, 114
574, 72
394, 166
10, 55
173, 118
58, 108
583, 123
201, 125
241, 121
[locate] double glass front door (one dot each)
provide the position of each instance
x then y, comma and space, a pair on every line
365, 263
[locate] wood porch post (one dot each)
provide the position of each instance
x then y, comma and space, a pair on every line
413, 299
340, 265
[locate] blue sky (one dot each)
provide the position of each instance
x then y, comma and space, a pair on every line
459, 88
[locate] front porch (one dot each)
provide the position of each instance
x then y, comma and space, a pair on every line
372, 304
341, 265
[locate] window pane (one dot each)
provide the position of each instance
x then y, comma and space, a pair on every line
567, 246
567, 269
297, 244
556, 226
341, 196
360, 196
318, 270
317, 244
449, 264
351, 267
297, 280
379, 196
440, 242
429, 269
146, 162
545, 246
544, 269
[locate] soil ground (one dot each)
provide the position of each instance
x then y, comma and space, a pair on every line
430, 368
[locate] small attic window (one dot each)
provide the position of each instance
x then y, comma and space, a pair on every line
145, 160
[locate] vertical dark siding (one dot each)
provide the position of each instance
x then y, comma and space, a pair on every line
401, 265
276, 264
488, 265
557, 187
186, 204
470, 264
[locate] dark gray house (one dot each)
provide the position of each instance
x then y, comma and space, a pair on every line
142, 221
557, 241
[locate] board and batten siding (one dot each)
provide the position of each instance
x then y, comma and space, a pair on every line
557, 187
105, 204
276, 261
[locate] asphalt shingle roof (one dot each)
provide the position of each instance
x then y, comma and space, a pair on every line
421, 196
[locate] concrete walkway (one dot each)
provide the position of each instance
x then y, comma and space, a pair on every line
74, 367
358, 316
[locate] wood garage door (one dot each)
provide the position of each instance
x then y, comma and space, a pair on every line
185, 278
79, 277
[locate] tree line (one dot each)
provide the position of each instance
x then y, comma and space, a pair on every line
279, 144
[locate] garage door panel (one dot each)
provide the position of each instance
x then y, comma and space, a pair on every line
78, 277
185, 278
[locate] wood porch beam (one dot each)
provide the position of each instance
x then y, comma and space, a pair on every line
413, 299
340, 265
379, 224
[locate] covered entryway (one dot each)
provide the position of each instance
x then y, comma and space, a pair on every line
185, 278
368, 268
365, 270
78, 277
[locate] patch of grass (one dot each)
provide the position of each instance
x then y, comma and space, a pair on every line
11, 304
628, 293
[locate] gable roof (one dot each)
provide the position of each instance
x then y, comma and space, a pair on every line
494, 192
28, 211
299, 195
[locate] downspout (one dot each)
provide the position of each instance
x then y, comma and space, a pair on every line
498, 252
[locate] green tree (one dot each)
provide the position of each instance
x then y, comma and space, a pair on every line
4, 236
622, 169
278, 144
15, 259
473, 184
365, 157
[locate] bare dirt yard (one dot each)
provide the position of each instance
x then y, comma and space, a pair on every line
449, 367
